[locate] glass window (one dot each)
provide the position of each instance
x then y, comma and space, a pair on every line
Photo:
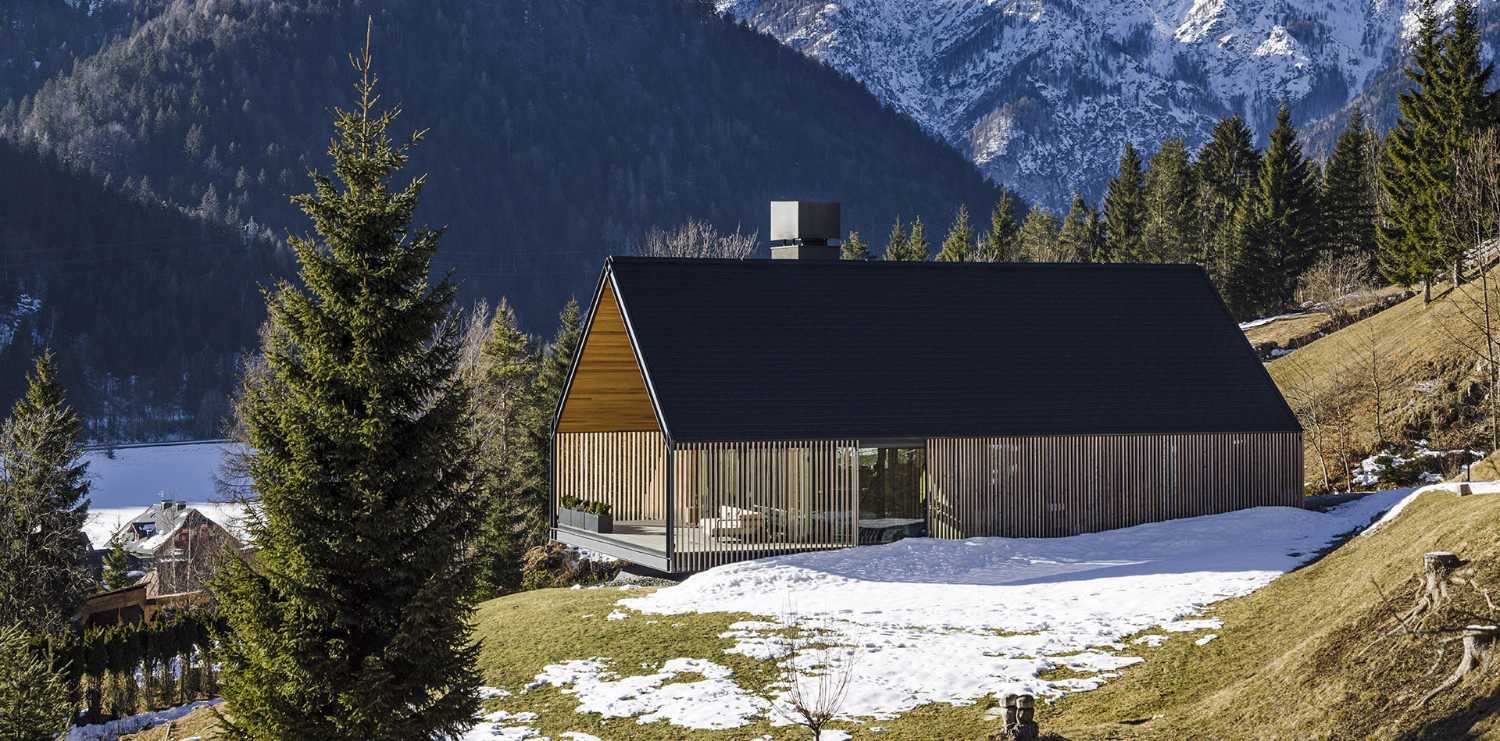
892, 494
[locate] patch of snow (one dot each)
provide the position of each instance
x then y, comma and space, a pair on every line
1189, 626
490, 693
1205, 640
1253, 323
834, 734
616, 615
580, 736
1451, 487
134, 723
1153, 640
714, 702
953, 621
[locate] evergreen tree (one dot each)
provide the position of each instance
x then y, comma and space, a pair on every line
36, 703
354, 621
1171, 229
1413, 174
854, 248
958, 246
914, 248
1467, 104
557, 361
895, 242
1038, 237
1348, 195
513, 478
1125, 212
1280, 221
44, 575
116, 572
999, 243
1075, 239
1227, 165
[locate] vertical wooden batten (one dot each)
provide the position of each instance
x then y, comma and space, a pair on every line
1065, 485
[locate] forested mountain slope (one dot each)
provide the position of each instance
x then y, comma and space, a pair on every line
40, 39
146, 307
561, 130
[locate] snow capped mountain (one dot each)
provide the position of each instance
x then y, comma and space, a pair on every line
1042, 94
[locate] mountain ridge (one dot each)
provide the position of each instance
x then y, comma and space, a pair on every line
1043, 96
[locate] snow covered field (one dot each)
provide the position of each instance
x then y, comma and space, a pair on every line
934, 621
136, 477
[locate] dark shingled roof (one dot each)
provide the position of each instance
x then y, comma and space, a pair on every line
782, 349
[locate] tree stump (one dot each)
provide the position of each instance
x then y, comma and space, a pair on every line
1479, 652
1438, 568
1020, 718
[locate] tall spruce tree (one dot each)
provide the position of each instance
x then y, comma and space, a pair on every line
914, 248
999, 244
1039, 237
1227, 165
1125, 212
895, 242
353, 622
1413, 173
44, 574
1075, 238
958, 246
854, 248
1463, 94
1171, 228
557, 360
1348, 195
513, 473
1280, 221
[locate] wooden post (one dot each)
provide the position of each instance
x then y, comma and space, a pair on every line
1020, 718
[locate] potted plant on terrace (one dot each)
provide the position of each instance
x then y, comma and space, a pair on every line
595, 517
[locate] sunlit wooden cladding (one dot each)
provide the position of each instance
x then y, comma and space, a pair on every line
608, 393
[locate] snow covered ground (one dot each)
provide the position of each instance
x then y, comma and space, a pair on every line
934, 621
126, 480
131, 724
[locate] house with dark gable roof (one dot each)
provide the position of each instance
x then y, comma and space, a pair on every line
721, 410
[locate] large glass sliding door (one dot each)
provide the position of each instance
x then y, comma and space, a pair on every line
892, 493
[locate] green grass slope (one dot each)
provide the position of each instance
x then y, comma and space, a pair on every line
1318, 653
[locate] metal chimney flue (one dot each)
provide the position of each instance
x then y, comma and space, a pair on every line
805, 230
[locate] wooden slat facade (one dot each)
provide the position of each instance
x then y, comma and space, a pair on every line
804, 496
608, 391
627, 470
1055, 486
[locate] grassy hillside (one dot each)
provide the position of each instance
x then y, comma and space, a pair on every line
1317, 653
1431, 387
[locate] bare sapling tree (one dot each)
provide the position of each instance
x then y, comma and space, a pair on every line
1370, 355
697, 239
1334, 285
1323, 409
817, 675
1474, 219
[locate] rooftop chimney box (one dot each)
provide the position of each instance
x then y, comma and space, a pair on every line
805, 230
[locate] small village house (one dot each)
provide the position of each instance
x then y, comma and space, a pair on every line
730, 409
176, 549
